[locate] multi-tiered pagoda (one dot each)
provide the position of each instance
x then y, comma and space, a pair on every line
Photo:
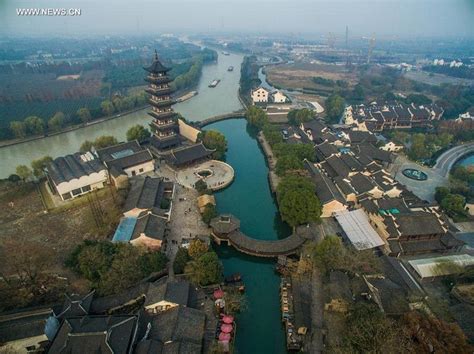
177, 149
164, 125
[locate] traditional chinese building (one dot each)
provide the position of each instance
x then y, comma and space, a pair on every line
164, 126
172, 138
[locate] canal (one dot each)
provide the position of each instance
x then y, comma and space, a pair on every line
259, 328
209, 102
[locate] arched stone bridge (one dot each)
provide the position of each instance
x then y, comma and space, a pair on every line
218, 118
265, 248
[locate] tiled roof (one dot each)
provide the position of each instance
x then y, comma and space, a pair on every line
146, 193
75, 166
95, 334
150, 225
189, 154
176, 292
324, 187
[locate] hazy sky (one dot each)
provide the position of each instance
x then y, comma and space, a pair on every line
414, 18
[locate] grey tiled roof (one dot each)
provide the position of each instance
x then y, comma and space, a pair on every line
361, 183
324, 187
151, 225
177, 292
69, 167
146, 193
225, 224
124, 155
95, 334
179, 330
189, 154
419, 223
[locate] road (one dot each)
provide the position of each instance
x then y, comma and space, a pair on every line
446, 161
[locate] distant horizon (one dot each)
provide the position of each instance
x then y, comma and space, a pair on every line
386, 19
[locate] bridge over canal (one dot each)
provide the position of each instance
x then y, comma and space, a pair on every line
265, 248
218, 118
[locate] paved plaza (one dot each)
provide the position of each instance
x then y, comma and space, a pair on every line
216, 174
422, 189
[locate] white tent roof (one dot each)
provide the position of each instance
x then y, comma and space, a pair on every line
358, 229
428, 267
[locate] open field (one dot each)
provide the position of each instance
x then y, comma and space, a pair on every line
24, 221
436, 79
300, 75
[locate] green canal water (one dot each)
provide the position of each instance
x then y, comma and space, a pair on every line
259, 328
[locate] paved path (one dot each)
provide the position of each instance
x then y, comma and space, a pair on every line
422, 189
317, 309
221, 176
446, 161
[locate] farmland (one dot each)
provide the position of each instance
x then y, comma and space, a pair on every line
301, 75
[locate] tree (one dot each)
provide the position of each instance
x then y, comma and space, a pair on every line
14, 178
205, 270
105, 141
419, 149
441, 193
297, 201
24, 172
272, 135
39, 165
209, 213
358, 93
417, 99
86, 146
368, 330
214, 140
113, 267
428, 334
287, 163
300, 151
298, 116
454, 204
197, 248
182, 258
18, 129
256, 117
56, 122
99, 143
334, 108
25, 261
107, 108
138, 132
84, 114
34, 125
200, 186
329, 254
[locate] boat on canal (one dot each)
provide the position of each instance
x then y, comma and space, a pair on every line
186, 96
214, 83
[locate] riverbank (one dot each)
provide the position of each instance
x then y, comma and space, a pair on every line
273, 178
208, 103
70, 128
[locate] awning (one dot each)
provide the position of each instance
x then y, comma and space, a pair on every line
226, 328
224, 337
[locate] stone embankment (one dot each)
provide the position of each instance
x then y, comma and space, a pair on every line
267, 150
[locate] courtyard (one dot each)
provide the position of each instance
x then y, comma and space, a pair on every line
216, 174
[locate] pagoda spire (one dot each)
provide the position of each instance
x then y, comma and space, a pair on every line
164, 125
